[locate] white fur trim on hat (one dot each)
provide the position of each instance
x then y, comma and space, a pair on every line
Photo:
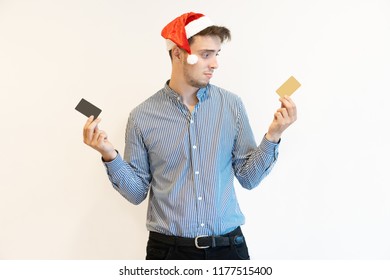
197, 25
170, 44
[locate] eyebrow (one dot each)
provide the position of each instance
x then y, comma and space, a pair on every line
207, 50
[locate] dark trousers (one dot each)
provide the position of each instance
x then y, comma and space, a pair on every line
163, 247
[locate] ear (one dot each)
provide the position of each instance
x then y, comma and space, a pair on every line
176, 52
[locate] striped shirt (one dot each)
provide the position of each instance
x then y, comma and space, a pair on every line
186, 161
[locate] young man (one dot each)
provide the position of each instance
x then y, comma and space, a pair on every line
185, 144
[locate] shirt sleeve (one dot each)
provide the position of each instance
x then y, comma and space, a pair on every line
251, 163
131, 176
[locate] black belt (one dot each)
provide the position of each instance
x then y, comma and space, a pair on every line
201, 241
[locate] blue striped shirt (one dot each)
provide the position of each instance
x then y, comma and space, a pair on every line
187, 161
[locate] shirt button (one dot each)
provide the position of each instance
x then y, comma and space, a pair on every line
199, 198
194, 146
202, 224
196, 172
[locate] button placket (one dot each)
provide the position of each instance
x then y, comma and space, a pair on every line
195, 158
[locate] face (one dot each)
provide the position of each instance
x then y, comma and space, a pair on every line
206, 48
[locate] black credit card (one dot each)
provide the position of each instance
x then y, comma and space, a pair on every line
88, 109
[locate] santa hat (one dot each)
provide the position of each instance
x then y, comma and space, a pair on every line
178, 31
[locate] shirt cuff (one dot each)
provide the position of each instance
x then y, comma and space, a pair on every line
269, 147
114, 165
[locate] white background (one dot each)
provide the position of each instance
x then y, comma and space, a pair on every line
327, 197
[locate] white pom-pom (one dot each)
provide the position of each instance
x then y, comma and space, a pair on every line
192, 59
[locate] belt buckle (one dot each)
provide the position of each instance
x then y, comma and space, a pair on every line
196, 242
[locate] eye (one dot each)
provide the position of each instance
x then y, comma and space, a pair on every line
205, 55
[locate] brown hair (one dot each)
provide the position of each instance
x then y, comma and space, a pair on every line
220, 31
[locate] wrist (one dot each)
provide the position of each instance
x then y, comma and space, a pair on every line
109, 156
273, 137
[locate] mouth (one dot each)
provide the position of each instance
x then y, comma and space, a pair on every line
208, 75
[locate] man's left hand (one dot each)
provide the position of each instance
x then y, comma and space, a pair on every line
283, 118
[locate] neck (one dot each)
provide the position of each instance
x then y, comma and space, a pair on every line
186, 91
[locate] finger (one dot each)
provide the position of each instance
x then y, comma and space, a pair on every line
284, 117
92, 131
96, 134
287, 101
102, 137
289, 104
278, 117
284, 112
87, 124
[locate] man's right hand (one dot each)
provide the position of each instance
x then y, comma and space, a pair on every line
98, 139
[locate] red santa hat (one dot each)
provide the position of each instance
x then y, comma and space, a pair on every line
178, 31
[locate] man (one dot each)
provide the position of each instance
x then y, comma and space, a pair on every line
185, 144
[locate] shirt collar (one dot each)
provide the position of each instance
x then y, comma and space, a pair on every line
201, 94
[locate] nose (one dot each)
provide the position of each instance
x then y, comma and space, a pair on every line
214, 63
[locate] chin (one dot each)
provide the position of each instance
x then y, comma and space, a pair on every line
199, 84
202, 85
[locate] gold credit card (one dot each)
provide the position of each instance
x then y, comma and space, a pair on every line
288, 87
